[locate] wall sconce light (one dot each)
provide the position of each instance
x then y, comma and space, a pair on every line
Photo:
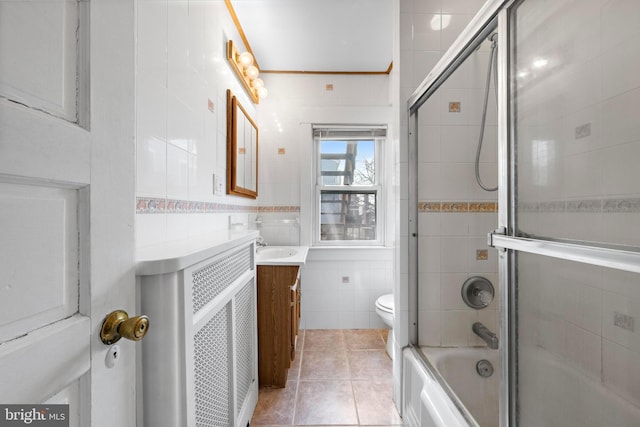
247, 72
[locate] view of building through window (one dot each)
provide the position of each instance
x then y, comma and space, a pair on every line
348, 189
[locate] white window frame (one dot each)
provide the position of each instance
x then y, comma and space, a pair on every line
378, 187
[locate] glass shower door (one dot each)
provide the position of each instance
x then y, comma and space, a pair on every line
571, 214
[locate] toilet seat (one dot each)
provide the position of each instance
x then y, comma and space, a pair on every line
385, 303
384, 309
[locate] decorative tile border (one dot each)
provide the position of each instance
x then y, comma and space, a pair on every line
278, 209
458, 207
613, 205
147, 205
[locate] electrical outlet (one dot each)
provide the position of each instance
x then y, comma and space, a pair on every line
346, 279
217, 185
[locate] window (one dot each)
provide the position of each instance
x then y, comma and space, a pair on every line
348, 190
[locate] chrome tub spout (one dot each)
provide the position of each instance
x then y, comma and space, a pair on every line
483, 332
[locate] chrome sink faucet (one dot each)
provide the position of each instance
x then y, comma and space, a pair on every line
260, 242
483, 332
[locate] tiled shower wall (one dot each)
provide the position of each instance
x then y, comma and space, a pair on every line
181, 88
455, 214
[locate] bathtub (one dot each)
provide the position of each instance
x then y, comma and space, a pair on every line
572, 398
426, 403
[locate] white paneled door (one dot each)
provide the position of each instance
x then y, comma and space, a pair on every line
66, 205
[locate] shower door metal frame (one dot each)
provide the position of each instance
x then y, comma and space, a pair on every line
505, 238
491, 16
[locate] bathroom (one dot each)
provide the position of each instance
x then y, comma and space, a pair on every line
172, 103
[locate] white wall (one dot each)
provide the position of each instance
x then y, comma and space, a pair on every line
296, 102
181, 144
181, 65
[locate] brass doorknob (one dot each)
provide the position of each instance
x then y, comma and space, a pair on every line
118, 325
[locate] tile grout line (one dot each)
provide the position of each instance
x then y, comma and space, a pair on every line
353, 392
295, 395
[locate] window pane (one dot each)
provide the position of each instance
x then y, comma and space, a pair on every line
347, 162
347, 215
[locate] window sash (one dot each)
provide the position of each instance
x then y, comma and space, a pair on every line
371, 232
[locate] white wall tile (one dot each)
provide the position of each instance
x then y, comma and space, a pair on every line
619, 19
426, 32
147, 227
429, 223
584, 350
426, 6
455, 224
452, 250
429, 254
429, 293
621, 371
457, 144
429, 330
618, 65
152, 41
177, 173
429, 146
618, 303
456, 179
151, 171
455, 327
457, 23
450, 288
177, 227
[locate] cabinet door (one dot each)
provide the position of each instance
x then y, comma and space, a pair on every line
276, 340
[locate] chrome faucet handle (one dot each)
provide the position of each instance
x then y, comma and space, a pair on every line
261, 242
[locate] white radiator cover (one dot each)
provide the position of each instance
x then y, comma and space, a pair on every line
199, 358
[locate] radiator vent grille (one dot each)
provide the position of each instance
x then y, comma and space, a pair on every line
213, 278
245, 374
213, 382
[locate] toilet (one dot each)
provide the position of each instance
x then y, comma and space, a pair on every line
384, 309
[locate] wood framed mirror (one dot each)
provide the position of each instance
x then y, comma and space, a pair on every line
242, 150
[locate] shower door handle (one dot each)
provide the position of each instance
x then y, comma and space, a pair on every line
500, 231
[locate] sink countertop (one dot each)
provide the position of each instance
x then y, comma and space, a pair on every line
298, 258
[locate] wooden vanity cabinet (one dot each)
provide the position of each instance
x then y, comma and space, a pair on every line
278, 322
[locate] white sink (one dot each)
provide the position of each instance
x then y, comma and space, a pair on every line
281, 255
276, 252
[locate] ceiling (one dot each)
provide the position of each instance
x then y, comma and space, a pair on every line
318, 35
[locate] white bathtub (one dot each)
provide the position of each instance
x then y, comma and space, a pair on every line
570, 397
427, 404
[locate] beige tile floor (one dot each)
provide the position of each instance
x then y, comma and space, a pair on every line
338, 378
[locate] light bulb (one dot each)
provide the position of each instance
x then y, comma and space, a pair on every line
245, 59
257, 84
252, 72
263, 92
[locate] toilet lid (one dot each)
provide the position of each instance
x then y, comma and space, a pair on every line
386, 301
